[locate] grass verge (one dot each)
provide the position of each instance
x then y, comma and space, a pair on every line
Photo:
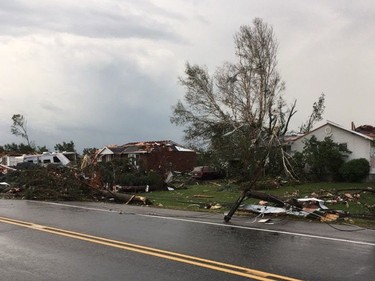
218, 196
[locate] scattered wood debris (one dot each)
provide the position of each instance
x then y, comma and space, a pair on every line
309, 207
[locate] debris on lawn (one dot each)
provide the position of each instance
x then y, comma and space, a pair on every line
214, 206
302, 207
309, 210
310, 207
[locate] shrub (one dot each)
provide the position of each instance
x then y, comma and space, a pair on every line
355, 170
324, 158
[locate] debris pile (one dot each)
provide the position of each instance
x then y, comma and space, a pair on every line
57, 183
42, 183
309, 207
304, 207
346, 197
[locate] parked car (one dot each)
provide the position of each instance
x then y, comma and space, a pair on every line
205, 173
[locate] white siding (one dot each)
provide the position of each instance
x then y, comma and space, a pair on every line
359, 146
105, 154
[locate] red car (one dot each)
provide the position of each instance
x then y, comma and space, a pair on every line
204, 173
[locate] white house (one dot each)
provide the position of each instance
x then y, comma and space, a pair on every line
361, 145
108, 153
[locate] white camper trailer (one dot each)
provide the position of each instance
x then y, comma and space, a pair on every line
44, 159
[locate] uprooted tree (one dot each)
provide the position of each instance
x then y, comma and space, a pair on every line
240, 112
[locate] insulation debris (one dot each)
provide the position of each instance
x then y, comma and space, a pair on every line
261, 209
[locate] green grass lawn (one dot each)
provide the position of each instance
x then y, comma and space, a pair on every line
218, 196
196, 197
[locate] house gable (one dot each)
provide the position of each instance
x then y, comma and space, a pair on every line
108, 153
105, 151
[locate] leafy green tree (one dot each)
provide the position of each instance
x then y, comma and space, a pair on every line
239, 113
18, 148
324, 158
65, 146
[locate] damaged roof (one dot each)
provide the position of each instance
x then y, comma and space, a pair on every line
150, 146
146, 147
367, 130
115, 149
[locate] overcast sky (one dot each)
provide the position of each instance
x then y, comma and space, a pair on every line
101, 72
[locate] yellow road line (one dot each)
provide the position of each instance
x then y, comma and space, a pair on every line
211, 264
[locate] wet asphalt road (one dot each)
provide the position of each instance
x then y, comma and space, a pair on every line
305, 251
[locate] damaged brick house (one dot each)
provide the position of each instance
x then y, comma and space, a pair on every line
360, 141
160, 156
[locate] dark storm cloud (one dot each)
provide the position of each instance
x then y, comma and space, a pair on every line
105, 71
21, 18
121, 104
